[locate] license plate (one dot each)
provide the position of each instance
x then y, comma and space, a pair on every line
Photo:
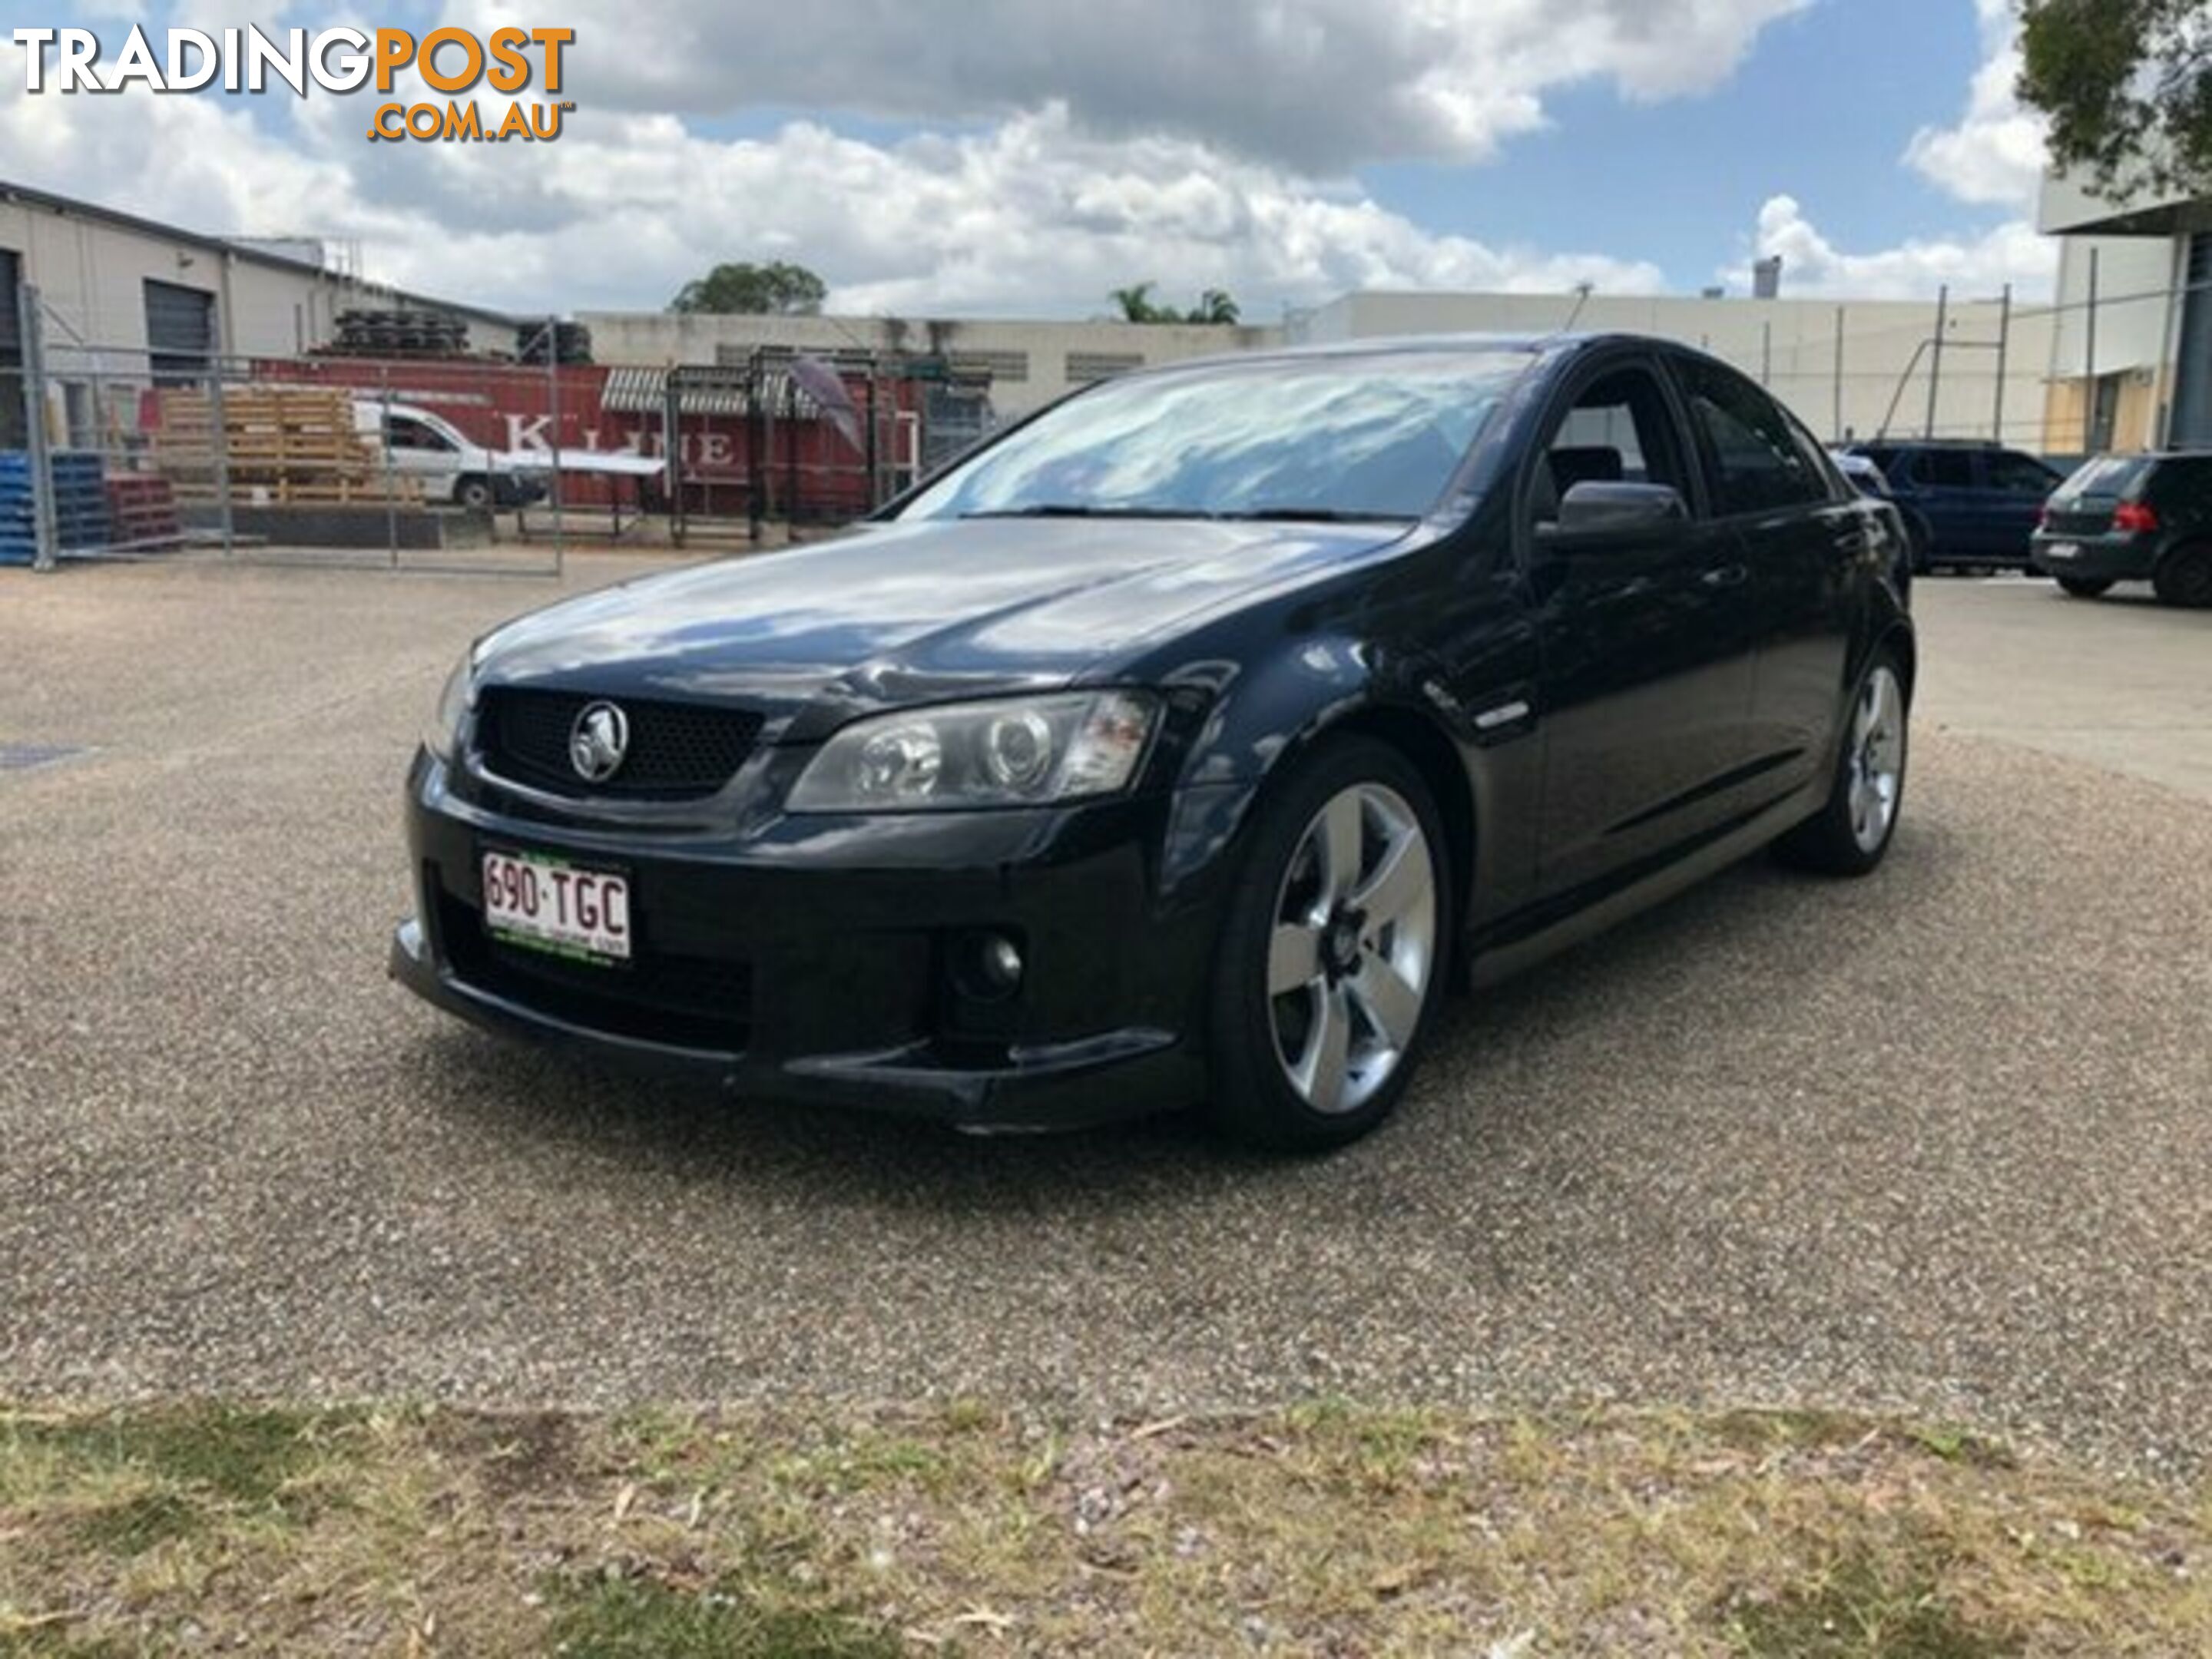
549, 905
2063, 550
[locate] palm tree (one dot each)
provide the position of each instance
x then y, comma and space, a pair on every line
1215, 305
1136, 303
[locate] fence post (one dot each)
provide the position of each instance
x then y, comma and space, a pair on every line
2089, 363
1935, 361
219, 433
391, 478
1836, 418
37, 454
1766, 353
553, 425
756, 420
875, 480
2004, 352
672, 441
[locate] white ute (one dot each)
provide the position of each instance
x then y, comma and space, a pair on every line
427, 447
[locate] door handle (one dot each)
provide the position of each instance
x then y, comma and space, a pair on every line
1725, 575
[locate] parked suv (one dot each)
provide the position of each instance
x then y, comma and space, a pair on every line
2132, 517
1964, 503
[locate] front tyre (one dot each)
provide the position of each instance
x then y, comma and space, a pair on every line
2084, 587
1853, 829
1331, 964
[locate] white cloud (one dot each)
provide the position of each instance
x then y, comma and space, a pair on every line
1032, 214
1974, 267
1995, 153
1312, 86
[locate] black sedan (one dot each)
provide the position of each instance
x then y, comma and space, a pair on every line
1181, 745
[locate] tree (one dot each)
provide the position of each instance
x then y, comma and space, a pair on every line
1137, 307
2128, 87
1214, 305
775, 288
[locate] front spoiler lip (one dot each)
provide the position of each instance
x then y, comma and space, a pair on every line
1110, 1078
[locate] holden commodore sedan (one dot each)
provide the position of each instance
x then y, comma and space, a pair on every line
1184, 745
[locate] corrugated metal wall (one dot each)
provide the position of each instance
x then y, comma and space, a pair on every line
2191, 426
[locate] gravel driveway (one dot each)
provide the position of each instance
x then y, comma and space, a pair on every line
1938, 1140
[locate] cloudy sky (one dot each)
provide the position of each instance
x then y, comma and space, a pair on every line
1025, 156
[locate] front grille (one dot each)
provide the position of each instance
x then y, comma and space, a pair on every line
678, 751
689, 1002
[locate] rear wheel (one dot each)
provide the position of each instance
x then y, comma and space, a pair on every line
2183, 577
2084, 588
1852, 830
1331, 964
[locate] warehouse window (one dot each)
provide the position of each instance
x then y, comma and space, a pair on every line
1012, 365
1084, 367
180, 332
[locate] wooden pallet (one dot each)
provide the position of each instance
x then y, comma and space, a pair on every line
279, 444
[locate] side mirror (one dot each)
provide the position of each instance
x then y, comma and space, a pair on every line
1594, 508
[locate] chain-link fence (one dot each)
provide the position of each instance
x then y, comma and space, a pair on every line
438, 460
2109, 370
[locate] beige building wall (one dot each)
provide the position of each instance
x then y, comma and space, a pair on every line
1844, 367
91, 272
1790, 344
1030, 363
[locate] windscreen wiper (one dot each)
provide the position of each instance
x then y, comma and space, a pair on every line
1316, 515
1078, 510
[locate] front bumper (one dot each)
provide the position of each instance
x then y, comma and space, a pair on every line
2120, 556
825, 966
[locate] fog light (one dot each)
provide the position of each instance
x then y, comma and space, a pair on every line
990, 967
1000, 960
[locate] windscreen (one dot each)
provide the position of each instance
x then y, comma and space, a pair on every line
2107, 475
1369, 437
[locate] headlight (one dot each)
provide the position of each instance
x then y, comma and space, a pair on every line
453, 705
1010, 753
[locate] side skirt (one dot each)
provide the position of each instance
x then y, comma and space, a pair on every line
1496, 954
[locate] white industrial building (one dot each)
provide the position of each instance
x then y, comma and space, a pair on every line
1030, 363
2132, 359
125, 296
1848, 369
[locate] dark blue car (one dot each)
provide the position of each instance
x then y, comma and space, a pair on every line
1965, 504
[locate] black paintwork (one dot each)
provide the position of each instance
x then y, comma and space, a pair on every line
2175, 487
1602, 721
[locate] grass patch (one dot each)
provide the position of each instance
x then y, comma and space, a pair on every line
1330, 1528
241, 1453
139, 1522
643, 1619
1866, 1608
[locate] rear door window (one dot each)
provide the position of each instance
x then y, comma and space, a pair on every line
1943, 469
2020, 475
1760, 463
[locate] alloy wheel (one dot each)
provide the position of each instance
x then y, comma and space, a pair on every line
1877, 758
1353, 947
